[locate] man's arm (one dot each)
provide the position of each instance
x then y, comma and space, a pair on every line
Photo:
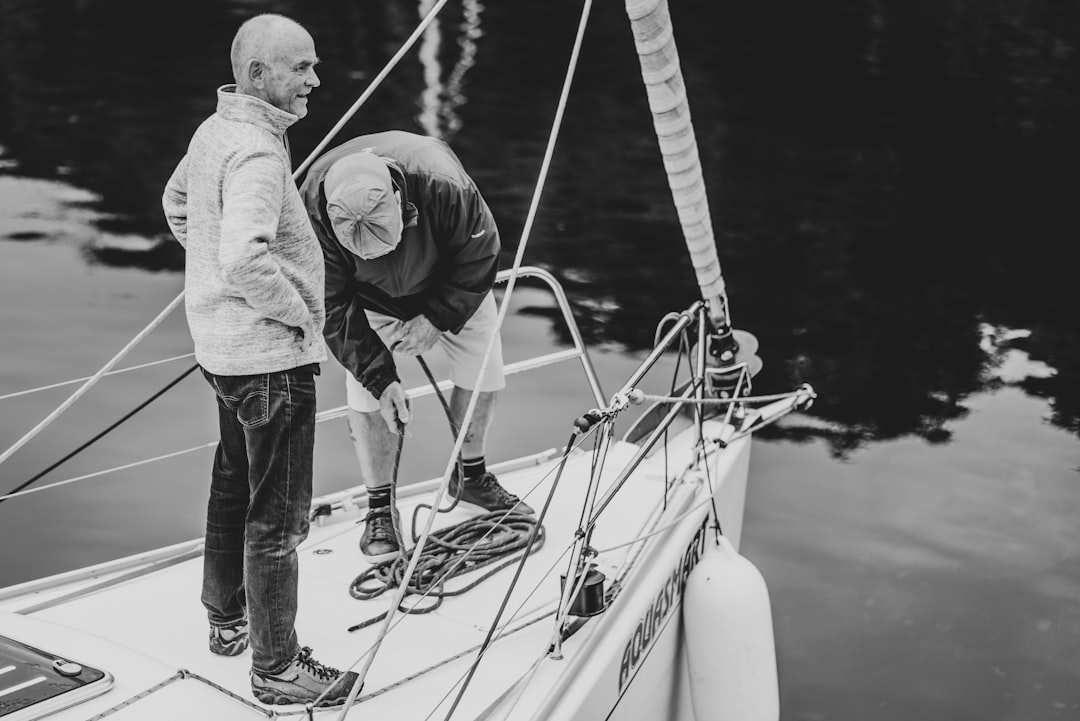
468, 241
174, 202
348, 334
251, 207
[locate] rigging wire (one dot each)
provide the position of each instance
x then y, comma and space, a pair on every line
537, 528
684, 350
320, 418
503, 308
530, 218
371, 88
506, 631
100, 435
92, 380
61, 384
445, 661
657, 531
114, 469
719, 401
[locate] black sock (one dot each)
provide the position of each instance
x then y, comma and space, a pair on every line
378, 499
473, 468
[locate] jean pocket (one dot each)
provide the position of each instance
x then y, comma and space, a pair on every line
253, 409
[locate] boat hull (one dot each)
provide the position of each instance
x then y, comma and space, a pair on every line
630, 663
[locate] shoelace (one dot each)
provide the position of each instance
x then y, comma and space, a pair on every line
381, 527
488, 483
320, 670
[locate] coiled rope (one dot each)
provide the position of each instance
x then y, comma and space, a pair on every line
454, 551
479, 542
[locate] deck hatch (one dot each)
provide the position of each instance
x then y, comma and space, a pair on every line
36, 683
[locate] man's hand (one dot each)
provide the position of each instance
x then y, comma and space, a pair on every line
416, 336
310, 336
394, 406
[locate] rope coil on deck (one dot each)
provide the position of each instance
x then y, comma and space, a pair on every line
454, 551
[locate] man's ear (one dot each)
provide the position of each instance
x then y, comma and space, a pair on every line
256, 72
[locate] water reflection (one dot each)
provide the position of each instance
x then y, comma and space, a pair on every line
886, 177
439, 102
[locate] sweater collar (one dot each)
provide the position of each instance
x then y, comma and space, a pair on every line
249, 109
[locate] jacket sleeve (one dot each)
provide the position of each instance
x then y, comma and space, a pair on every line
174, 202
252, 195
347, 331
468, 241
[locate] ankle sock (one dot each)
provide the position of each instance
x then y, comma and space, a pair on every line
473, 468
378, 499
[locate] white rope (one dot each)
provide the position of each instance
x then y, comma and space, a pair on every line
91, 381
371, 88
549, 152
503, 307
111, 373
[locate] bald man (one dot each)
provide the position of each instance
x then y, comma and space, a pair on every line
253, 280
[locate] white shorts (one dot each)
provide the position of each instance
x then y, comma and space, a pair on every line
465, 351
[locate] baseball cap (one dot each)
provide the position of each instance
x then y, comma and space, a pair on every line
360, 203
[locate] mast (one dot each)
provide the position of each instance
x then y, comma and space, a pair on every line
655, 41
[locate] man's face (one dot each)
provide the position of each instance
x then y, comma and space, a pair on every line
291, 75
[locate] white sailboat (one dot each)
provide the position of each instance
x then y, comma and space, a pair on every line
631, 601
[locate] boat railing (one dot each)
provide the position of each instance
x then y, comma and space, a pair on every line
578, 351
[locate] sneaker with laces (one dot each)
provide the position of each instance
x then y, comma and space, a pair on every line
379, 542
303, 681
229, 640
486, 492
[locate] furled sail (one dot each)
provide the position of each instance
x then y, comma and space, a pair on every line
651, 25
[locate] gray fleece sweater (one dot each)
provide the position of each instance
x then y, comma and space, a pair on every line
254, 271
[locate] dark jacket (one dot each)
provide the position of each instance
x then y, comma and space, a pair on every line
443, 267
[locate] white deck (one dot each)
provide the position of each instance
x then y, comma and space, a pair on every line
144, 629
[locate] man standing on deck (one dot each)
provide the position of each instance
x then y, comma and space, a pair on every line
254, 301
411, 254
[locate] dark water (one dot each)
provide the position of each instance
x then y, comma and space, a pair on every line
893, 187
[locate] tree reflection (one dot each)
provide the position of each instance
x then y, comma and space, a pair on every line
885, 175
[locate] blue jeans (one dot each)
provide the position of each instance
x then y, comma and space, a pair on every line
260, 497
